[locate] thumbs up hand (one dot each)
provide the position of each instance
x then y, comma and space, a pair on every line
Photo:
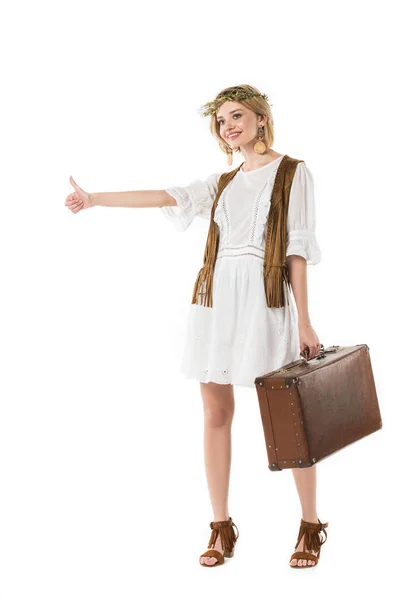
78, 199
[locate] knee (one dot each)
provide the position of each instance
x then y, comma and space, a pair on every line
217, 416
218, 403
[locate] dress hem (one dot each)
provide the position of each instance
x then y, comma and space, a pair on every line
238, 383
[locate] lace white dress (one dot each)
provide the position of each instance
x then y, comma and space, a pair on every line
240, 337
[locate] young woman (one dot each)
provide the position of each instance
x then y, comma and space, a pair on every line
235, 335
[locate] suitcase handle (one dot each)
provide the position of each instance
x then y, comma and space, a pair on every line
304, 360
304, 356
304, 353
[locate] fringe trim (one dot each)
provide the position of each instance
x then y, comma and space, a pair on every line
276, 270
226, 533
275, 278
312, 540
204, 282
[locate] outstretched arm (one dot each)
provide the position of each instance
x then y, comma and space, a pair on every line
80, 199
135, 199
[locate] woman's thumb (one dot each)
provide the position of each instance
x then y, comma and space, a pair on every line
72, 181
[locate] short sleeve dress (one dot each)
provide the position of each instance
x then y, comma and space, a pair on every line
240, 338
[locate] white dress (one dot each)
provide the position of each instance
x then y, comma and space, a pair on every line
240, 338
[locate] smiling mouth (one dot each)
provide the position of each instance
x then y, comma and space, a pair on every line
233, 137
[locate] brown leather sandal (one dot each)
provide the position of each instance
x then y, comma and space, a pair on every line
228, 541
312, 541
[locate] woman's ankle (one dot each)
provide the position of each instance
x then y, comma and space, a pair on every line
311, 519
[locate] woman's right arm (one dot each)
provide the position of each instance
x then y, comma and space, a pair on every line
79, 199
135, 199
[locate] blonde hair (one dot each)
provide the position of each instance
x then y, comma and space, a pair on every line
255, 103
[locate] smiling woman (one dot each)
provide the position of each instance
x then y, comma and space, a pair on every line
261, 233
264, 208
243, 320
236, 110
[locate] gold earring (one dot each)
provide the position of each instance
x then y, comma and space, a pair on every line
230, 158
260, 146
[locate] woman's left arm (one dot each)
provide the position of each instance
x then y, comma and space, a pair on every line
297, 267
302, 249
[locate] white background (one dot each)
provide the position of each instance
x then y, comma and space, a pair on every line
103, 493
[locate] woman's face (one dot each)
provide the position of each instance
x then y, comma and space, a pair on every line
233, 117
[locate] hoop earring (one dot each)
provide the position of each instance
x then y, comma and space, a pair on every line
260, 146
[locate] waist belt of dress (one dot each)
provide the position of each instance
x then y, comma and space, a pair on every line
234, 251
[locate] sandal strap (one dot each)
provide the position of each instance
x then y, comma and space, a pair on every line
320, 526
214, 554
226, 532
306, 555
312, 539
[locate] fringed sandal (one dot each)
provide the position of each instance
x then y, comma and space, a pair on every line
228, 541
312, 542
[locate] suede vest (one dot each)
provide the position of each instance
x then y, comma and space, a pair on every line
275, 267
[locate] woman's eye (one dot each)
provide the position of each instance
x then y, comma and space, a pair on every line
235, 115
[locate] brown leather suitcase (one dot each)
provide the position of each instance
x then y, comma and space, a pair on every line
313, 408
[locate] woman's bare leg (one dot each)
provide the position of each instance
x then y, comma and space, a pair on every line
306, 483
219, 406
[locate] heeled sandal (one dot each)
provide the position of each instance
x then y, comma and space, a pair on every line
312, 542
228, 540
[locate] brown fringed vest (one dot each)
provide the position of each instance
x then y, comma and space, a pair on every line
275, 266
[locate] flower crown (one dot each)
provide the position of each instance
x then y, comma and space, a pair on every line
210, 108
